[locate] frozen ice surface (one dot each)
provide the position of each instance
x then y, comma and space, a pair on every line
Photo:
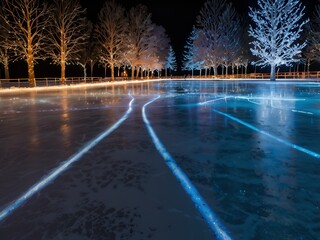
122, 189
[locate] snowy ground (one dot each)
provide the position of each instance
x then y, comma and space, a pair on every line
250, 149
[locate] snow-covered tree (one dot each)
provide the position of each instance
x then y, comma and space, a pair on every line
171, 61
140, 34
161, 49
277, 27
190, 61
153, 55
231, 29
244, 54
68, 33
209, 21
111, 34
26, 21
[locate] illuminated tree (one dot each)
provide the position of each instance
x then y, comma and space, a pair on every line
244, 56
231, 30
111, 34
191, 60
171, 61
68, 33
5, 46
89, 55
155, 53
139, 32
26, 21
209, 21
277, 28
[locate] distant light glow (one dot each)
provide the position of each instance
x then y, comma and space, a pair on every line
63, 166
200, 203
301, 149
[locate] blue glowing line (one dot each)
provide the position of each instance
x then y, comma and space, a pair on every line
199, 202
270, 98
298, 111
302, 149
212, 101
63, 166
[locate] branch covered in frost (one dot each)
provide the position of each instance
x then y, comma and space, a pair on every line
277, 27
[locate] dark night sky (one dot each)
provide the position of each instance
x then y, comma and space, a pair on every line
177, 17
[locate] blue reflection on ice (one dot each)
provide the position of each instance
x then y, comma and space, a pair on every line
56, 172
302, 149
200, 203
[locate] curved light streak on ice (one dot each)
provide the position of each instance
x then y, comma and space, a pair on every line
303, 112
270, 98
301, 149
212, 101
200, 203
64, 165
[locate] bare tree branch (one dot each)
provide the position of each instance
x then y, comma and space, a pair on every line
26, 21
68, 33
111, 35
277, 27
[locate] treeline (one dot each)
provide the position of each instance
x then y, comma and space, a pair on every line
61, 32
275, 33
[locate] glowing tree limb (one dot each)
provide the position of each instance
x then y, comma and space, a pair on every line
26, 21
5, 55
210, 41
111, 34
277, 27
171, 61
68, 33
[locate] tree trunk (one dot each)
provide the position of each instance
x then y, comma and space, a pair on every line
6, 71
215, 70
112, 71
6, 66
273, 73
132, 73
91, 68
30, 59
32, 80
84, 72
63, 69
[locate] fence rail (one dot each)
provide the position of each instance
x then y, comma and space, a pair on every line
44, 82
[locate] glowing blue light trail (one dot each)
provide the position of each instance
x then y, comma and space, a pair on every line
303, 112
213, 100
301, 149
63, 166
210, 217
